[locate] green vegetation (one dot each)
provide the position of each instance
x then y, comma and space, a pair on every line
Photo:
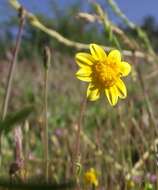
119, 142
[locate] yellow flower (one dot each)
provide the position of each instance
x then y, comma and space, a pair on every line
130, 184
103, 72
90, 177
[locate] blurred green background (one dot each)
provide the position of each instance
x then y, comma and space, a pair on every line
113, 140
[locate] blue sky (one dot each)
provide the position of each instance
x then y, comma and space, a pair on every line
135, 10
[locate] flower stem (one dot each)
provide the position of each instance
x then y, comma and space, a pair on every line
12, 68
13, 63
78, 132
46, 124
93, 187
45, 136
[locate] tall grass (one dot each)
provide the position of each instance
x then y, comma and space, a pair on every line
119, 142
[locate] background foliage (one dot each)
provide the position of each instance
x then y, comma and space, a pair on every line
113, 140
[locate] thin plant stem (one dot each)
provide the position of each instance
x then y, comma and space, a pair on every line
45, 136
78, 132
146, 96
13, 64
12, 68
46, 122
77, 156
93, 187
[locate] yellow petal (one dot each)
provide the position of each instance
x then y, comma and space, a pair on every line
84, 78
121, 88
125, 68
84, 59
84, 71
112, 95
114, 56
97, 52
93, 93
96, 182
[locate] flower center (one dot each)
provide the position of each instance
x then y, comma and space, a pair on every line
105, 74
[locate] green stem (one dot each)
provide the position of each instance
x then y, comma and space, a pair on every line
93, 187
46, 122
46, 148
13, 65
12, 69
77, 148
82, 110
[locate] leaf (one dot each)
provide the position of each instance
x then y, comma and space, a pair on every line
11, 119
